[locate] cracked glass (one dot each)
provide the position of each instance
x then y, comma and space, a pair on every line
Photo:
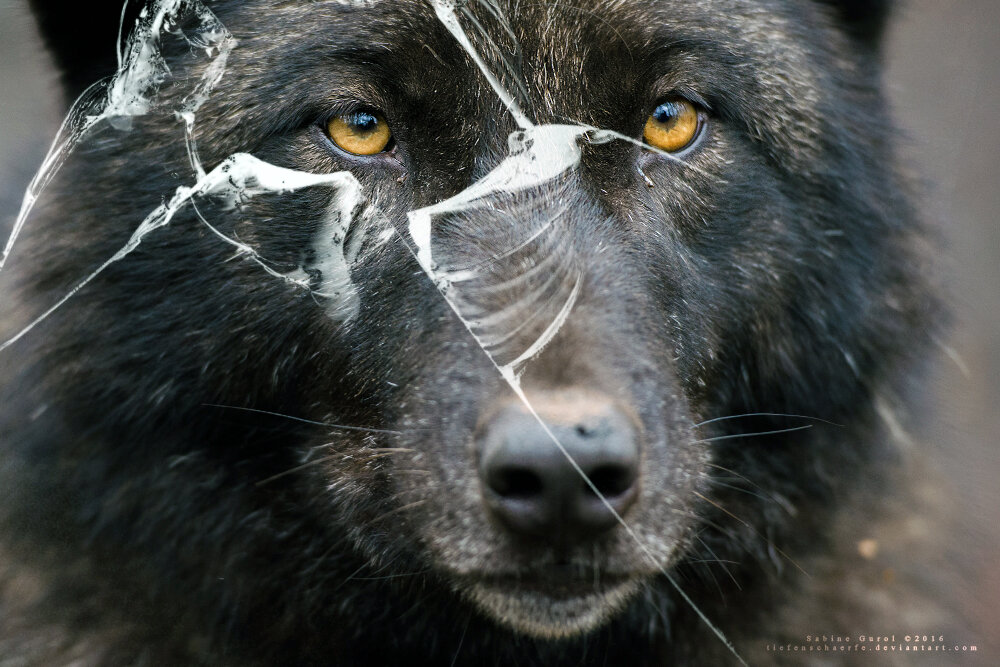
516, 205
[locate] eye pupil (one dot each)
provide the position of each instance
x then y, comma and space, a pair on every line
364, 122
665, 113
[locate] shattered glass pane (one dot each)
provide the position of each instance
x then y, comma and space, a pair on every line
516, 215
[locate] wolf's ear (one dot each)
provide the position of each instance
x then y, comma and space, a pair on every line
82, 37
864, 19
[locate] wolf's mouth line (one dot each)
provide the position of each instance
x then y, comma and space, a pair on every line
547, 586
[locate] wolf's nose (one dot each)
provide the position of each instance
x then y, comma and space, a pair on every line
531, 485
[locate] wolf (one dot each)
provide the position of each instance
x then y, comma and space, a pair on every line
491, 332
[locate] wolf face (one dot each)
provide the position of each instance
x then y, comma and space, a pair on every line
581, 316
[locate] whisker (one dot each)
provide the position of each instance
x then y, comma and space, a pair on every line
781, 502
715, 559
757, 532
751, 435
354, 574
733, 472
350, 577
461, 640
297, 468
392, 576
749, 492
396, 510
367, 454
363, 429
322, 559
399, 495
652, 593
766, 414
711, 574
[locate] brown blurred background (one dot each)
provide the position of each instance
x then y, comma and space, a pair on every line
944, 80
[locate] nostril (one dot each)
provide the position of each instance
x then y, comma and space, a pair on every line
533, 487
516, 482
610, 480
594, 429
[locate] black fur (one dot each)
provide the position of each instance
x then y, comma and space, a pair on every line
786, 274
866, 19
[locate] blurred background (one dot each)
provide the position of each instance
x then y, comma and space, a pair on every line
944, 81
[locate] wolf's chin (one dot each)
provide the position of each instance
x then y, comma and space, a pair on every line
545, 617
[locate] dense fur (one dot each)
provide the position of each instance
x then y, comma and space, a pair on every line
784, 274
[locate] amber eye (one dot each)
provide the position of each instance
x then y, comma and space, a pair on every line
360, 132
673, 126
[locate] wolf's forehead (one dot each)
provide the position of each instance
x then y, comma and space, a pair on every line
555, 26
772, 54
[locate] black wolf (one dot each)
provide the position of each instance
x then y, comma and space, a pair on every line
639, 410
